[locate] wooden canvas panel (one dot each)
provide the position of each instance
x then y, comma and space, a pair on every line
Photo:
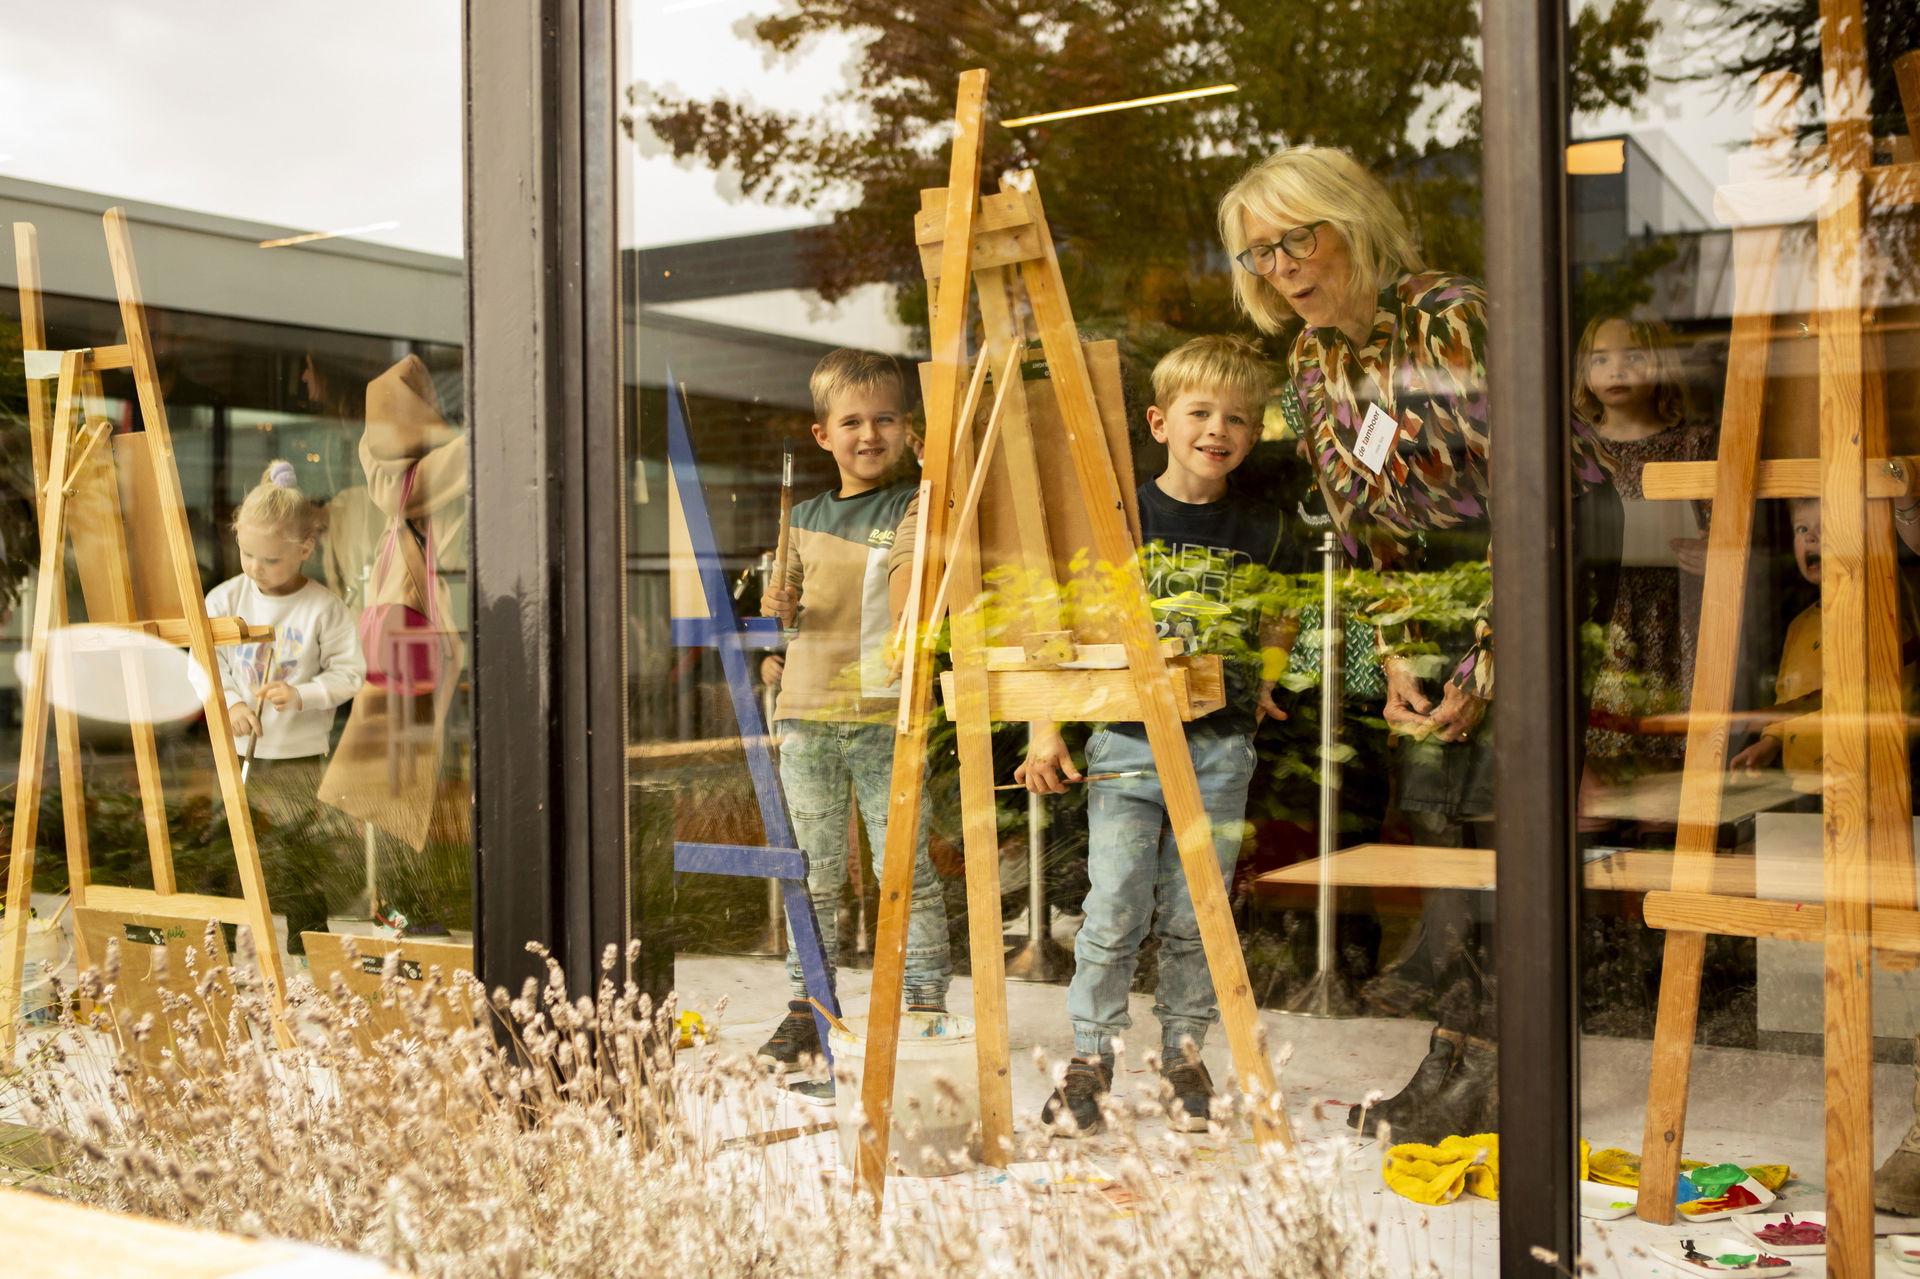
155, 593
425, 966
1069, 528
1793, 382
164, 960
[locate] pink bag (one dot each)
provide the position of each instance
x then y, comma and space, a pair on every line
402, 646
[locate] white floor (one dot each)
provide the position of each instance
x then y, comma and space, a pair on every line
1746, 1107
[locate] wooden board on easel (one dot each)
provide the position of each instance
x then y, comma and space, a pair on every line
425, 967
81, 502
170, 969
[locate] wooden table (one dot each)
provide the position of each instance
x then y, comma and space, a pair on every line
55, 1239
1420, 866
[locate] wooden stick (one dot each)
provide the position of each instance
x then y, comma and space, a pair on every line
785, 544
910, 637
963, 525
1090, 777
832, 1018
774, 1138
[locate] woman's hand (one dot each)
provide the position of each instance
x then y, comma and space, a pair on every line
1692, 554
772, 666
1268, 708
1459, 714
1407, 707
779, 601
1049, 765
1761, 754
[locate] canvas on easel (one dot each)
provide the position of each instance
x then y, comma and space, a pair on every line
1076, 589
80, 504
1867, 898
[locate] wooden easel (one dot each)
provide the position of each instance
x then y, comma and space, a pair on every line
969, 242
1868, 897
79, 494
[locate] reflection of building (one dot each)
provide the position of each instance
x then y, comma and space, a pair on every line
233, 324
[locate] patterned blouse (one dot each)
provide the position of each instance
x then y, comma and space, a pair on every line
1425, 364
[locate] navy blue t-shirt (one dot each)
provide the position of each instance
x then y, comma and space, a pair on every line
1226, 552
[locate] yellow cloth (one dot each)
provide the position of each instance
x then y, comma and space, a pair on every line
1437, 1174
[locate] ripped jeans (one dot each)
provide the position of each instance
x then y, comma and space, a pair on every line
819, 761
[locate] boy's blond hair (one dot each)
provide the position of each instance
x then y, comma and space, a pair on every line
849, 369
1304, 184
1217, 362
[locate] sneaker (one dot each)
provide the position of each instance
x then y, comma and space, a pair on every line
795, 1037
1074, 1108
1192, 1088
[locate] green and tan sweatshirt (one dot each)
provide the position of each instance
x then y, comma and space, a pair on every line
837, 562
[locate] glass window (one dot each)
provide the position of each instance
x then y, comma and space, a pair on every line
275, 439
1743, 296
1294, 382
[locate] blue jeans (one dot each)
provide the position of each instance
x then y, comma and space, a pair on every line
819, 760
1134, 867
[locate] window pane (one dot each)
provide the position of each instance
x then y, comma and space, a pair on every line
291, 192
1742, 300
779, 161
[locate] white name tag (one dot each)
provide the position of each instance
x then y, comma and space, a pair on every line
1375, 440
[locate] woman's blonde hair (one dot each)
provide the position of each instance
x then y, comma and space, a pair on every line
1316, 184
276, 503
1670, 404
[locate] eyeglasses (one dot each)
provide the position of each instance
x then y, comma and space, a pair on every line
1298, 243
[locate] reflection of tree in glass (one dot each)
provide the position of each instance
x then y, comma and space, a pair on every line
1750, 38
1130, 195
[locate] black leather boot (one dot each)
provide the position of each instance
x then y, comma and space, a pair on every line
1467, 1103
1429, 1077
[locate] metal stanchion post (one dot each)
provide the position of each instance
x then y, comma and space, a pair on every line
1039, 957
1329, 994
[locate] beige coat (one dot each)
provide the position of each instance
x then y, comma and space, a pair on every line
386, 769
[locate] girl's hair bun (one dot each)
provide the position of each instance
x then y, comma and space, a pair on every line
281, 475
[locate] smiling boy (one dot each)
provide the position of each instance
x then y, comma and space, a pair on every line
837, 700
1201, 536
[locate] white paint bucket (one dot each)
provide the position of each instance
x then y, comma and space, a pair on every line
934, 1129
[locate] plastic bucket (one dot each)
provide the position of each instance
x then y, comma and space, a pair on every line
934, 1130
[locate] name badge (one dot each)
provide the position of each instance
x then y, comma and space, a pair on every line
1375, 440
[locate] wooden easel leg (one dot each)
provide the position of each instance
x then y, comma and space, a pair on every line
1852, 809
909, 750
186, 575
1703, 778
1193, 832
973, 726
33, 727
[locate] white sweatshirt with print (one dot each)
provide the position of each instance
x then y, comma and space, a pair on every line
316, 649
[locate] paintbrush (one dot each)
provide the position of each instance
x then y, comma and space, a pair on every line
1090, 777
773, 1138
784, 546
832, 1020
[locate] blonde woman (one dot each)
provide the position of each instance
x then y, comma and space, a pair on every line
1387, 392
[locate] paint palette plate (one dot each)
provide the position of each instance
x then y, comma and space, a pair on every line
1906, 1252
1754, 1223
1699, 1210
1601, 1202
1714, 1255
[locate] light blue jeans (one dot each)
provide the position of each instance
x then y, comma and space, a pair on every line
819, 761
1134, 868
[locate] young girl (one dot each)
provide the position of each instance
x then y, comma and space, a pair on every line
1629, 390
281, 694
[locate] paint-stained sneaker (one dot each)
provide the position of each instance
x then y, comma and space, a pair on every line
794, 1038
1074, 1108
1193, 1093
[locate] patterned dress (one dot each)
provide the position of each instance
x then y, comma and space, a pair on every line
1425, 364
1645, 664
